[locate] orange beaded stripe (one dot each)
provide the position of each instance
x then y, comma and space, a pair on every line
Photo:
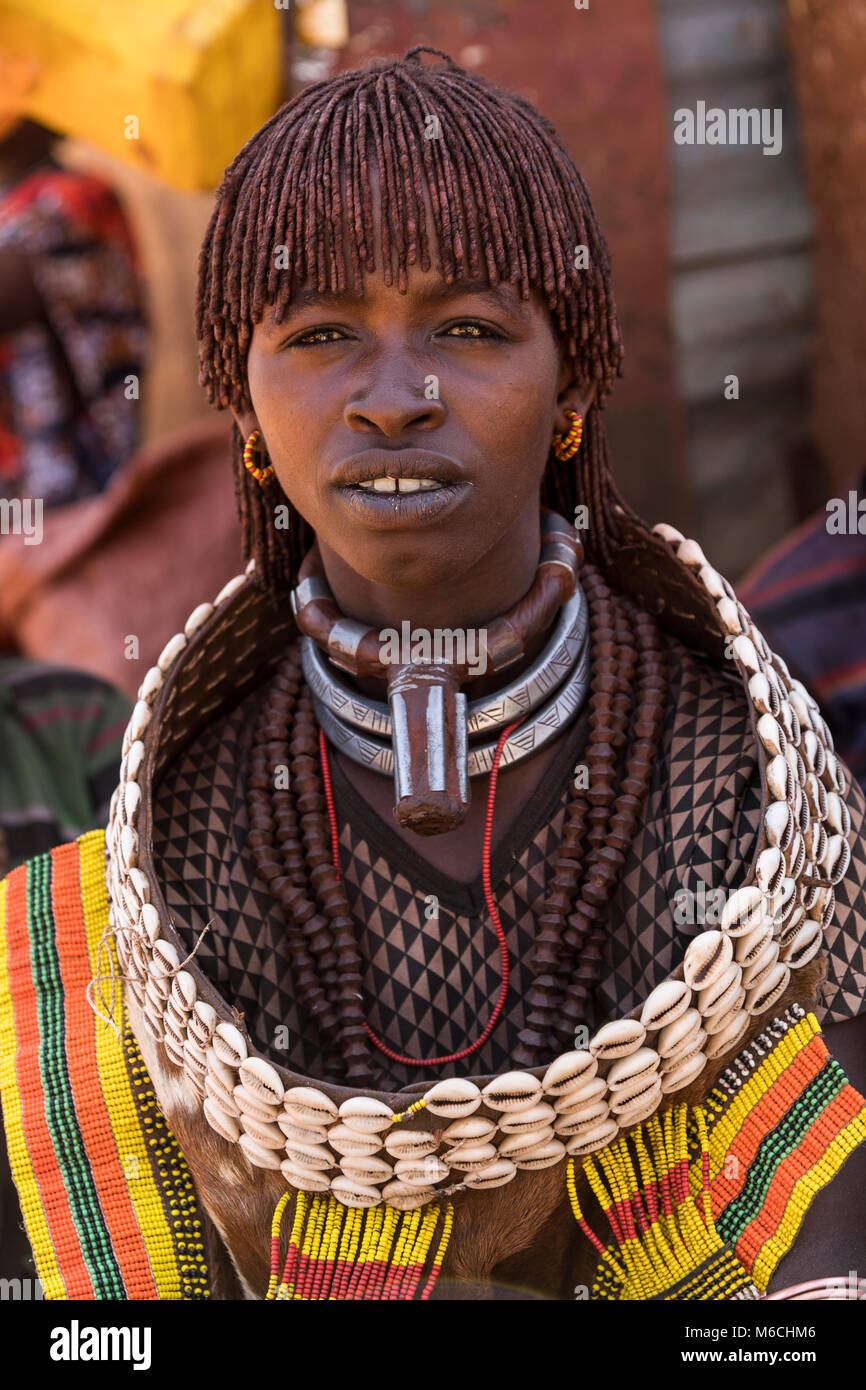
798, 1177
704, 1202
105, 1196
777, 1142
764, 1115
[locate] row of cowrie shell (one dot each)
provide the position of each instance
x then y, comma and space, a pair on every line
586, 1097
802, 771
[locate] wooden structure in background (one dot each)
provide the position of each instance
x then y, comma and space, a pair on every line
741, 256
827, 39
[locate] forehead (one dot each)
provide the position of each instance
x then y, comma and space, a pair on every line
423, 287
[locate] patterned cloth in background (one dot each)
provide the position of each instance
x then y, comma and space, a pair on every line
60, 737
808, 597
65, 421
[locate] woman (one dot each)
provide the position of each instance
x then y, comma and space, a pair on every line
73, 336
393, 1055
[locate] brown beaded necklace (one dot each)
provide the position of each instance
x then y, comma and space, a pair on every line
629, 682
290, 838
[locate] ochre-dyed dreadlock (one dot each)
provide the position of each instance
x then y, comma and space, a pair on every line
507, 204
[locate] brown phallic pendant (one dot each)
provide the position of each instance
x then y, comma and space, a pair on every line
428, 712
428, 722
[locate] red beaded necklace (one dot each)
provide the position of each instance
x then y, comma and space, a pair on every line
488, 895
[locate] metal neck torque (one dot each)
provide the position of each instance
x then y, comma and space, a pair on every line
428, 710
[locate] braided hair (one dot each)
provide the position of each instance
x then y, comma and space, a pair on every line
507, 204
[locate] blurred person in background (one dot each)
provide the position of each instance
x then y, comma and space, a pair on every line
60, 736
808, 593
72, 327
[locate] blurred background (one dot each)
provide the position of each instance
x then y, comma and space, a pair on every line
726, 261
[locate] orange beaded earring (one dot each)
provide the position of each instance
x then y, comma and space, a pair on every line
565, 446
261, 475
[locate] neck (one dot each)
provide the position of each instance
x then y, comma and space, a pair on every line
470, 600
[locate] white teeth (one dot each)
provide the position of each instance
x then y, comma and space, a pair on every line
400, 485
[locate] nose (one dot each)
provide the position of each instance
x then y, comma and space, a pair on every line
395, 397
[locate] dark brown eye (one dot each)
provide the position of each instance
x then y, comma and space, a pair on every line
471, 330
317, 335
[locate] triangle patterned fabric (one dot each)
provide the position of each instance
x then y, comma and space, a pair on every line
430, 978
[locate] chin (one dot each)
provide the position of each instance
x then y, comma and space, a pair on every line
398, 563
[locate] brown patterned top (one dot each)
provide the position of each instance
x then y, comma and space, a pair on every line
432, 959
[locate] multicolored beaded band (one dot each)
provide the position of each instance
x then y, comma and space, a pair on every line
565, 446
704, 1201
107, 1199
171, 1175
261, 475
345, 1253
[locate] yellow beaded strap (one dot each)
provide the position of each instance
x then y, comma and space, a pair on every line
107, 1199
667, 1246
781, 1122
337, 1252
703, 1202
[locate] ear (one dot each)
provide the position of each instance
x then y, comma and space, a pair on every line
246, 422
573, 395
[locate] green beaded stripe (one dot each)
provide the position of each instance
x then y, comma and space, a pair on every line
171, 1175
780, 1142
60, 1112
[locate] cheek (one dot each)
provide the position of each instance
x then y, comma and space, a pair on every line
292, 422
518, 420
283, 411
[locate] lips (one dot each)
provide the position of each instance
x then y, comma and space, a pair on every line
400, 511
387, 469
400, 489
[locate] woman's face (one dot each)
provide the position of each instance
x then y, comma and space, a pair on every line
411, 430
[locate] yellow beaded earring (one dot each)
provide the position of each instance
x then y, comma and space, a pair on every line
565, 446
261, 475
